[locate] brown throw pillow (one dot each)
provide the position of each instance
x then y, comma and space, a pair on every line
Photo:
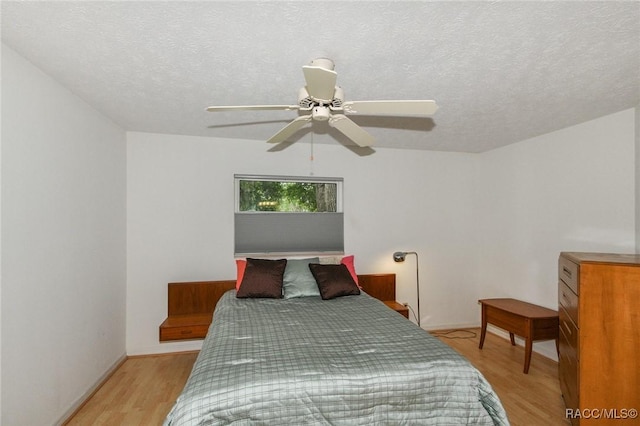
334, 280
262, 278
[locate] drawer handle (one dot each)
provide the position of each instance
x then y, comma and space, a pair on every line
566, 271
566, 327
186, 332
565, 298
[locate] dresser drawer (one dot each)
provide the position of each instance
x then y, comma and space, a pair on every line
568, 300
568, 374
568, 273
568, 333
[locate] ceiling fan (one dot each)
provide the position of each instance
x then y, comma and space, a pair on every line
325, 102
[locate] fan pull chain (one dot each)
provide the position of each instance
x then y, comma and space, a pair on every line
311, 156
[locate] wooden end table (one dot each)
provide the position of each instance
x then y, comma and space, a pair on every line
532, 322
399, 308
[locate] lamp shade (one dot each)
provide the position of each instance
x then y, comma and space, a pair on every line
399, 256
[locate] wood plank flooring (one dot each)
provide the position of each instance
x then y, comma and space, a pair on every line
141, 392
143, 389
530, 399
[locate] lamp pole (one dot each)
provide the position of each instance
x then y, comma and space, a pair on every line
400, 256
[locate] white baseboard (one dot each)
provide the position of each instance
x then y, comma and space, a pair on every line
89, 393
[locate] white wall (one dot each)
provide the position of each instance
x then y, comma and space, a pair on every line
63, 245
180, 220
571, 190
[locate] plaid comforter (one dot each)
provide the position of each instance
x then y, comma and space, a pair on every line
349, 361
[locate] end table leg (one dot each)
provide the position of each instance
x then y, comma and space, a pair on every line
527, 354
513, 340
483, 330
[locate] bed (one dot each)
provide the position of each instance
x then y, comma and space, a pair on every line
347, 360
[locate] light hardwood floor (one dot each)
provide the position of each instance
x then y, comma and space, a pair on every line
530, 399
140, 392
143, 389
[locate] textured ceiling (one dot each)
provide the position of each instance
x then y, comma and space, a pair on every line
501, 72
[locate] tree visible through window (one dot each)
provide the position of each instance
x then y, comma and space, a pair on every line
283, 195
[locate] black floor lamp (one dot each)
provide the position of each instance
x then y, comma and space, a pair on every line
399, 256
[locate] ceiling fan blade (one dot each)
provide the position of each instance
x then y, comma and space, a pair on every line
252, 107
290, 129
402, 108
321, 82
351, 130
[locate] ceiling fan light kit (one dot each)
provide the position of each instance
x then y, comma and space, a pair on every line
325, 102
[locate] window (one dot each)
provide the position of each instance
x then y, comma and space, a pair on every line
279, 215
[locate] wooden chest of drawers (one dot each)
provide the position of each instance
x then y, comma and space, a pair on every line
599, 347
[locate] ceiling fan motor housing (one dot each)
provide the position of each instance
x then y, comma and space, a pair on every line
321, 113
304, 100
306, 103
338, 98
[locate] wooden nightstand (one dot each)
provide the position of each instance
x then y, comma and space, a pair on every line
190, 308
399, 308
185, 327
